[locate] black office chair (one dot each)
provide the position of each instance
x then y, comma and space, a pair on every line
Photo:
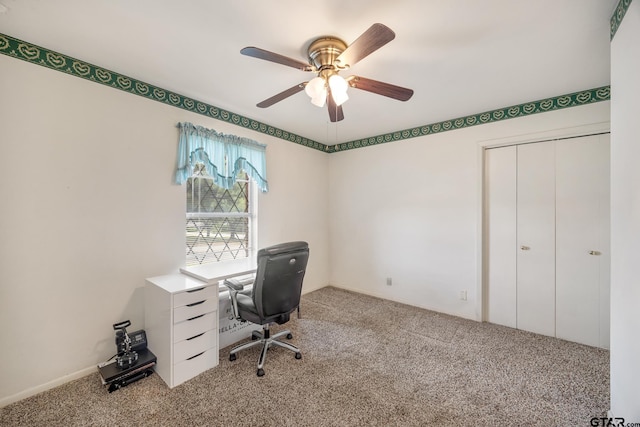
275, 295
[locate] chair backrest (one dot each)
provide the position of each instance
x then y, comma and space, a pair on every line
278, 283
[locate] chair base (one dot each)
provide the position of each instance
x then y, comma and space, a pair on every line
265, 339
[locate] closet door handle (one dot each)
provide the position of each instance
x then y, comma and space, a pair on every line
525, 248
595, 253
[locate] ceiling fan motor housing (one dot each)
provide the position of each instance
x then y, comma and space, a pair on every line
324, 51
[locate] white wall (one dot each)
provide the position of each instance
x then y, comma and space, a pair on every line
88, 210
411, 210
625, 218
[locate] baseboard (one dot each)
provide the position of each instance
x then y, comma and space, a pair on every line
402, 301
46, 386
306, 290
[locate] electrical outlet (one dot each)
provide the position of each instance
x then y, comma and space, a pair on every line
463, 295
389, 282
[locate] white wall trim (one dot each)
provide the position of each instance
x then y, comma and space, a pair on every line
411, 303
306, 290
526, 138
47, 386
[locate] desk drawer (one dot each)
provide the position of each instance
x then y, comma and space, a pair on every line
194, 309
195, 326
195, 295
191, 346
199, 363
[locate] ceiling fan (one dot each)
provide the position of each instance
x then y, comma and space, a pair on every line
327, 57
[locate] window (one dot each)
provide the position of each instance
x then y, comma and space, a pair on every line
223, 173
220, 222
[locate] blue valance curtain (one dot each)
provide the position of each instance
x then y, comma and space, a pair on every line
224, 156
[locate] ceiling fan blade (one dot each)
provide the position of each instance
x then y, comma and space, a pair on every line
335, 111
371, 40
256, 52
282, 95
380, 88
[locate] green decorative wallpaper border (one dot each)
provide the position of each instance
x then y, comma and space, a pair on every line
619, 13
40, 56
550, 104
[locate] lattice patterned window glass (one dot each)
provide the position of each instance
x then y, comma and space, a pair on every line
220, 223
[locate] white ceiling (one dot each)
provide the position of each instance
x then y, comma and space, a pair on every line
461, 57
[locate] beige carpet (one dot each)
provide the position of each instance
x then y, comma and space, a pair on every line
366, 362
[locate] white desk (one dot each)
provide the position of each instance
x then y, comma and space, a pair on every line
215, 272
181, 319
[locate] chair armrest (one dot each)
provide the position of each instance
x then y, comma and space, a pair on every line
236, 285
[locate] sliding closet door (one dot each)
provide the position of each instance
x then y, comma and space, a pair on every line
500, 229
536, 258
547, 237
582, 240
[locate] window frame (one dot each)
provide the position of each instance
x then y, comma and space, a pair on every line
252, 223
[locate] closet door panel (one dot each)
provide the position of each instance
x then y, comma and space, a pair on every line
582, 248
500, 213
536, 238
604, 236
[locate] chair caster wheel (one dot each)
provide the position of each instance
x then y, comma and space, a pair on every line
232, 357
298, 355
289, 336
260, 372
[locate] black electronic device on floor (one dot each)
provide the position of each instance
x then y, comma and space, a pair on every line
133, 361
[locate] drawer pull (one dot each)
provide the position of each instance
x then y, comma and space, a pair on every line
195, 336
193, 357
195, 290
196, 303
194, 318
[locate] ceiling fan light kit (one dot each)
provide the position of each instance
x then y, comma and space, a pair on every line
338, 86
317, 90
327, 56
